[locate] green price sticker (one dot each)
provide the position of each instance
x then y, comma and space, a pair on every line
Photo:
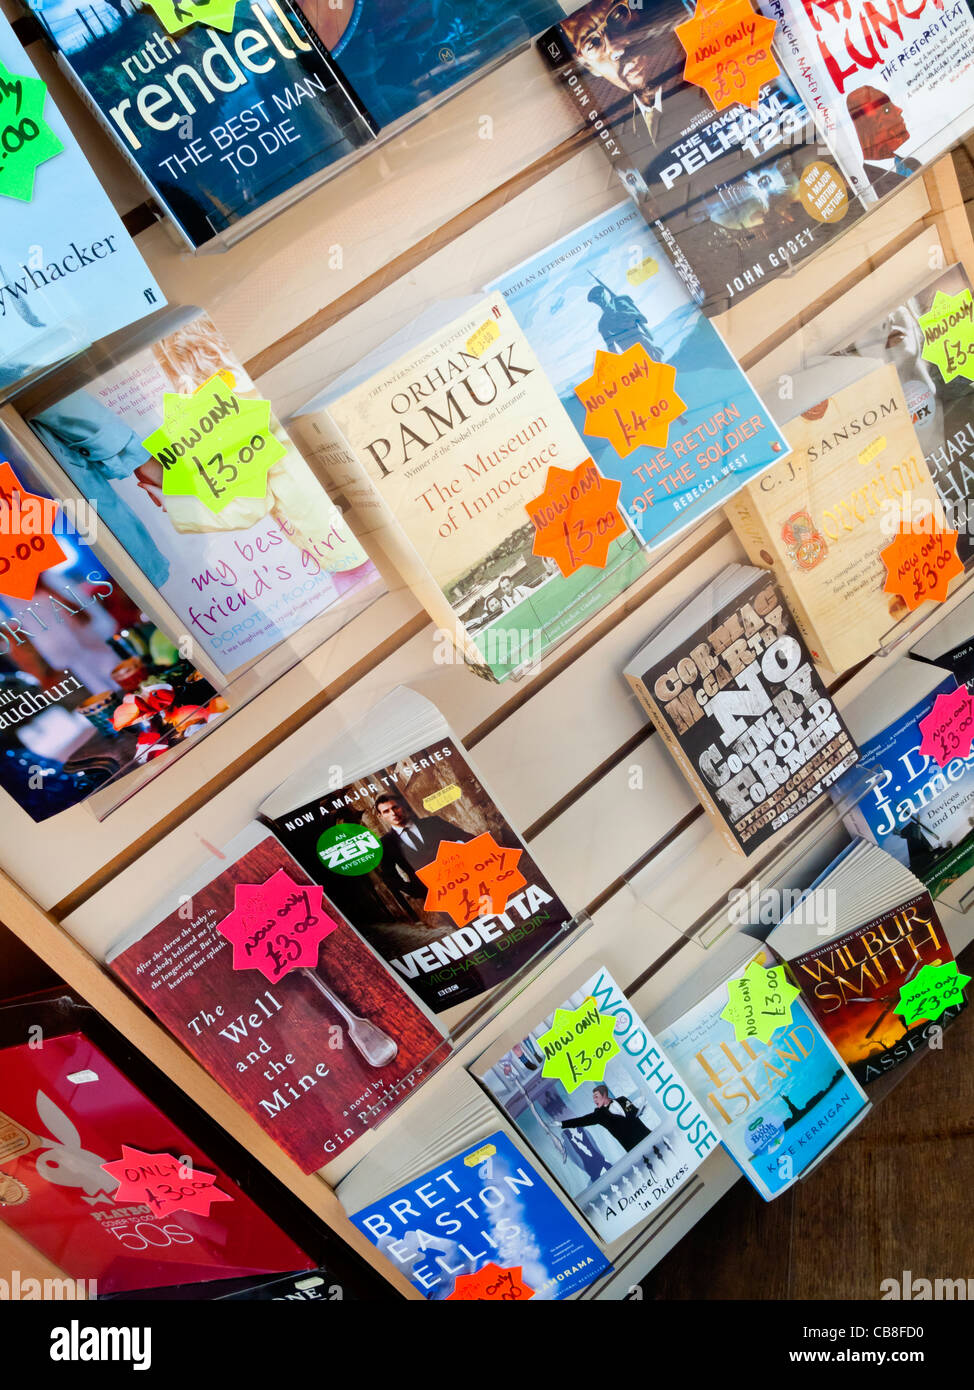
214, 445
759, 1002
578, 1046
948, 334
933, 989
174, 15
26, 140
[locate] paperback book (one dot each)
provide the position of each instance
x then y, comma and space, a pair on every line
608, 287
407, 789
317, 1057
731, 687
620, 1147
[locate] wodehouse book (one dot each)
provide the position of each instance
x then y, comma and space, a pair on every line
609, 287
69, 271
483, 1208
619, 1147
317, 1057
408, 789
439, 450
219, 125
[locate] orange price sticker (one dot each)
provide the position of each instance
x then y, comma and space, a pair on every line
472, 879
728, 50
630, 400
492, 1284
27, 543
921, 562
576, 518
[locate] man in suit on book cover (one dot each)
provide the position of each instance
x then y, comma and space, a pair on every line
410, 842
618, 1115
881, 129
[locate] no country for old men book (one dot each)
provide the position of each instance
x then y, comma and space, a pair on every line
316, 1057
736, 196
69, 271
731, 687
406, 788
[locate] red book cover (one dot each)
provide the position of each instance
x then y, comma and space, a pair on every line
316, 1058
65, 1109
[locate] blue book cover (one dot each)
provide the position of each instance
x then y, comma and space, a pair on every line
69, 271
487, 1206
604, 288
778, 1105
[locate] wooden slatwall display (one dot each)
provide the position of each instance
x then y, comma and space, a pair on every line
489, 178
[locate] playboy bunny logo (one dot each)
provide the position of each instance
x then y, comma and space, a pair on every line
66, 1163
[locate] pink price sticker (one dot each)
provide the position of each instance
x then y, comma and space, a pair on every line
947, 731
163, 1183
277, 926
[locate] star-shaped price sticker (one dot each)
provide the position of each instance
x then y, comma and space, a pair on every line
759, 1002
471, 880
174, 15
276, 926
27, 543
163, 1183
215, 445
576, 518
921, 562
26, 140
948, 729
630, 400
578, 1046
728, 50
932, 989
948, 334
492, 1284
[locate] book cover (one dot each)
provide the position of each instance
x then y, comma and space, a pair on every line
736, 196
778, 1105
485, 1207
69, 271
852, 986
66, 1110
891, 87
218, 124
619, 1148
364, 841
89, 687
244, 578
316, 1058
606, 287
748, 711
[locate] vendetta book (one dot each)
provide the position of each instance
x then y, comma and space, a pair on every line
317, 1057
735, 196
484, 1208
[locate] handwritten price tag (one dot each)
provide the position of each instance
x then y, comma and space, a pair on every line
759, 1002
948, 334
576, 518
728, 50
471, 880
277, 926
933, 989
578, 1046
948, 729
174, 15
26, 140
214, 445
163, 1183
27, 543
920, 563
492, 1284
630, 400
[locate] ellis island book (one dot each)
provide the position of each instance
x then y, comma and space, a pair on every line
619, 1148
608, 287
244, 578
821, 519
482, 1207
780, 1106
69, 271
89, 687
735, 196
732, 689
219, 125
439, 451
885, 930
316, 1058
891, 86
407, 788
